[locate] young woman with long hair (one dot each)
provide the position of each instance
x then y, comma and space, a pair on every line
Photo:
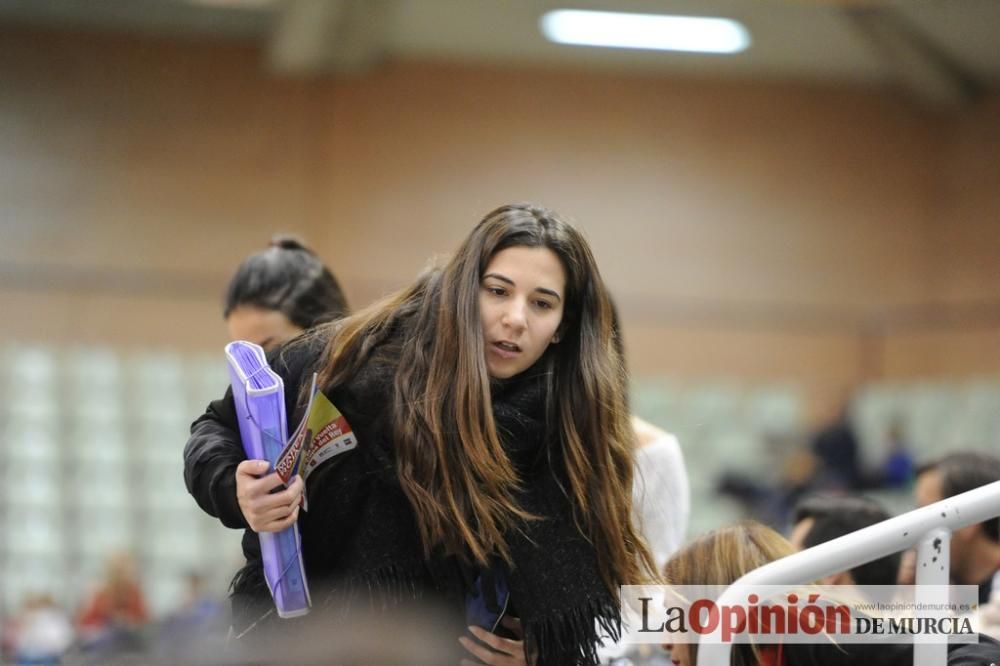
495, 453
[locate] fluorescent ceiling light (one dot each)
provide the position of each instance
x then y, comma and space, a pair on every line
645, 31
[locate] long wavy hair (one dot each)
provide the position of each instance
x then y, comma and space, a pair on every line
450, 461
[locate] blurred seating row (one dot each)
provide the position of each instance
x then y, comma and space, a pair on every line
90, 447
753, 430
932, 417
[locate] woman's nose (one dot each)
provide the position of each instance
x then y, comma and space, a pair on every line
514, 316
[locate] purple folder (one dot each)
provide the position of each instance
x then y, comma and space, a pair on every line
259, 394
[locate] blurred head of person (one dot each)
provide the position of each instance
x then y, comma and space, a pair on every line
721, 557
120, 569
280, 292
821, 518
975, 549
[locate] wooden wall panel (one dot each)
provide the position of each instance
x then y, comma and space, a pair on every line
749, 229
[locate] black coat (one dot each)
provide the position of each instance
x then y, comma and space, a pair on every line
360, 534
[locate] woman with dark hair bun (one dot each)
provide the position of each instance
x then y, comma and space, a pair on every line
280, 292
494, 459
274, 296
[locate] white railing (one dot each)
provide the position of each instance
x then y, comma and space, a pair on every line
928, 528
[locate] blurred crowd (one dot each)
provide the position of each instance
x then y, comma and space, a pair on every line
113, 622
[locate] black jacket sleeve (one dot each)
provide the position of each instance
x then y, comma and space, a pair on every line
211, 456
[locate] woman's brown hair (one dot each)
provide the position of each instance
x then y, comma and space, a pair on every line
722, 557
450, 461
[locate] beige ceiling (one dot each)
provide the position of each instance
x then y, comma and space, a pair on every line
941, 52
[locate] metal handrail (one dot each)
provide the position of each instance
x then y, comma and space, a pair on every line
922, 527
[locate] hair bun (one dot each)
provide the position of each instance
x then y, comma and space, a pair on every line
288, 243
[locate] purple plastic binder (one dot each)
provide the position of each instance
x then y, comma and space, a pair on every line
259, 394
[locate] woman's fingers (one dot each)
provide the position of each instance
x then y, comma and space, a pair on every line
260, 497
266, 511
252, 468
267, 500
497, 642
248, 478
484, 654
497, 651
264, 484
277, 513
278, 525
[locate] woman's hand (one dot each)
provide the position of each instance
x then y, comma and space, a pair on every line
501, 651
263, 510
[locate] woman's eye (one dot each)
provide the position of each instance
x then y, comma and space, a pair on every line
496, 291
545, 305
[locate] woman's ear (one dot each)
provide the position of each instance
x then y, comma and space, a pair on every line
557, 337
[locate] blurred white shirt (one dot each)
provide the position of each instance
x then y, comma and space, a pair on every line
661, 501
661, 494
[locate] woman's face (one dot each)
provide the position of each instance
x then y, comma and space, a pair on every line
521, 306
267, 328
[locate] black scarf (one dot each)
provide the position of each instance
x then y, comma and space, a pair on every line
360, 536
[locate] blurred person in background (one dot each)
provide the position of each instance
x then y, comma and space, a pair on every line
513, 337
821, 518
828, 462
838, 455
975, 549
721, 557
839, 460
898, 466
197, 626
661, 495
661, 502
198, 612
661, 492
41, 633
116, 611
275, 295
974, 557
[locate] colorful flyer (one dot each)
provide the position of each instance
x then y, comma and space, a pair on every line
322, 434
333, 435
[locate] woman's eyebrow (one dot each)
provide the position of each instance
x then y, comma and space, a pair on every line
504, 278
549, 292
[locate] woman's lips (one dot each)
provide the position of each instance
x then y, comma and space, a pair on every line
504, 351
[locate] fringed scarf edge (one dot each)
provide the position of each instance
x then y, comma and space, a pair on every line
576, 632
